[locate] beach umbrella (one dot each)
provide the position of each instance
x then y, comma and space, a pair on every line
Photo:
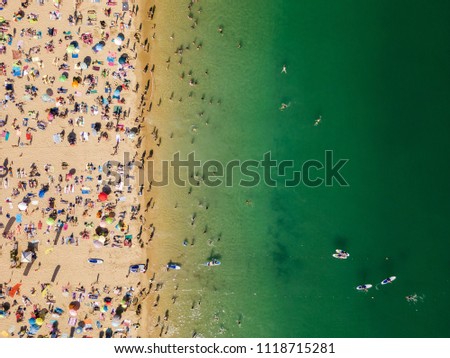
102, 196
116, 321
83, 66
101, 231
49, 91
102, 224
22, 206
109, 220
73, 313
70, 49
27, 257
74, 305
50, 221
41, 193
98, 244
75, 84
39, 321
63, 78
72, 171
106, 189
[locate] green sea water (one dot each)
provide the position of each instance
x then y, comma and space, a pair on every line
377, 72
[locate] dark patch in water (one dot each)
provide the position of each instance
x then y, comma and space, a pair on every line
285, 265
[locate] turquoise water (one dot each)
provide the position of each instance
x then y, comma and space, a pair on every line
377, 74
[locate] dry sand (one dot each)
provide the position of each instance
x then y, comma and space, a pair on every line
75, 271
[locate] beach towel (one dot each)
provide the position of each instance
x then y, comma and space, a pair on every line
72, 321
16, 54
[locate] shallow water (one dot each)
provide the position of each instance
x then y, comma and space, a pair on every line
376, 73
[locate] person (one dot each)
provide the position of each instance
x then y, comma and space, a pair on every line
284, 69
411, 298
283, 106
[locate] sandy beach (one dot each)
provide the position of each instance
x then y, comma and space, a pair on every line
73, 214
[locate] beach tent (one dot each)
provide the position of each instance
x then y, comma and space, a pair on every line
119, 39
87, 60
98, 46
27, 257
123, 58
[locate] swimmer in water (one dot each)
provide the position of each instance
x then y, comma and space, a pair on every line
414, 298
317, 121
284, 106
284, 69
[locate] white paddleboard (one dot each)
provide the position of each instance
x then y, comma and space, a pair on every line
340, 256
388, 280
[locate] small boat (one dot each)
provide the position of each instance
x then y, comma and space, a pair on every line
172, 266
140, 268
95, 261
213, 262
364, 287
388, 280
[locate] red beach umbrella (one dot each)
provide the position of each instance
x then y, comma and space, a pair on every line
102, 196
